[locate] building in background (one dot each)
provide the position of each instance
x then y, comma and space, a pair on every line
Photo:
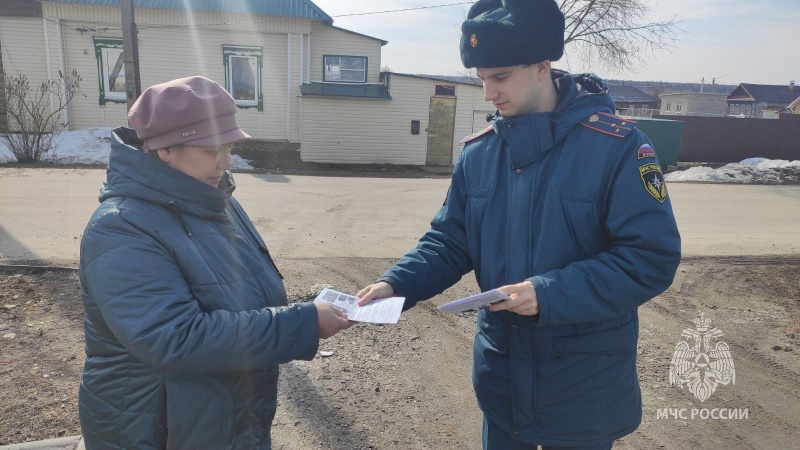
792, 109
632, 101
417, 120
764, 101
295, 76
694, 104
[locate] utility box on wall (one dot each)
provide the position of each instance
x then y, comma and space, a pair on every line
666, 137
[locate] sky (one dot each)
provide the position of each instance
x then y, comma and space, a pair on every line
720, 41
93, 146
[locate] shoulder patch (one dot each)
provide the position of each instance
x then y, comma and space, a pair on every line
653, 181
476, 135
645, 151
608, 124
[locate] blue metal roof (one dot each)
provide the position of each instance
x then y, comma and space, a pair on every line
628, 94
292, 8
773, 95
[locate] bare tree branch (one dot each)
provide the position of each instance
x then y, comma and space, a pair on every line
614, 34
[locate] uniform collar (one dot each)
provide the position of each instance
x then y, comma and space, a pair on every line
532, 136
529, 137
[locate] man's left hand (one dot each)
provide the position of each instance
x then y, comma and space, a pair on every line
523, 299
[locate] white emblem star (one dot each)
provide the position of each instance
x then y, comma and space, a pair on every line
656, 182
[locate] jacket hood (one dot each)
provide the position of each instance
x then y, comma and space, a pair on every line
135, 174
579, 96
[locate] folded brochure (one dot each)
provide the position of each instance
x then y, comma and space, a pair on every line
380, 310
474, 301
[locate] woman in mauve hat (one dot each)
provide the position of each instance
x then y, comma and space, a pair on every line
186, 313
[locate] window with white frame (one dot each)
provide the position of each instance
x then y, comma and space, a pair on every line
110, 69
349, 69
243, 75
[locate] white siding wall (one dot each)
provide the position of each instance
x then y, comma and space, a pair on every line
166, 53
331, 41
471, 112
243, 22
346, 130
22, 45
85, 110
171, 52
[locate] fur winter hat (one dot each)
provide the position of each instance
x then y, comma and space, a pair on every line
500, 33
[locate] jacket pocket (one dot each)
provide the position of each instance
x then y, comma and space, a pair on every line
491, 369
100, 422
477, 202
582, 222
604, 338
493, 331
200, 413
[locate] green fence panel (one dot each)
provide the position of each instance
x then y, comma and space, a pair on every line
666, 138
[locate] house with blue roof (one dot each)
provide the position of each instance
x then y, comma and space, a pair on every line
632, 101
765, 101
295, 76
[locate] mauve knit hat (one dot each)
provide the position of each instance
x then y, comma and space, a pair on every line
503, 33
193, 110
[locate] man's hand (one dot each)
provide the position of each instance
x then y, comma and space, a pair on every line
330, 320
380, 289
523, 299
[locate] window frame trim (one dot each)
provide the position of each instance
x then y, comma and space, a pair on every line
101, 44
366, 68
247, 51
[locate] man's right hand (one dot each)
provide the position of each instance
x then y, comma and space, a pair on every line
330, 320
380, 289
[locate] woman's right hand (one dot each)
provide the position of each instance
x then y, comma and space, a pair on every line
330, 320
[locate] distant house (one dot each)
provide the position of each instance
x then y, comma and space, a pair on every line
693, 104
632, 101
296, 78
793, 108
260, 51
761, 100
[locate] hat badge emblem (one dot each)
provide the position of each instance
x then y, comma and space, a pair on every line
594, 118
473, 41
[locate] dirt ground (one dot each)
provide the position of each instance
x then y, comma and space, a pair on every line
407, 386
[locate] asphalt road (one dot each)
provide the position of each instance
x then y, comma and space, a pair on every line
43, 213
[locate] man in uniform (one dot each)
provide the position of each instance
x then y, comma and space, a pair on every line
562, 206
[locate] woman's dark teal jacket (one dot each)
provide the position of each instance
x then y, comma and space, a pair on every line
186, 316
574, 201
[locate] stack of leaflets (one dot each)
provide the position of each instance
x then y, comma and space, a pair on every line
380, 310
476, 301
